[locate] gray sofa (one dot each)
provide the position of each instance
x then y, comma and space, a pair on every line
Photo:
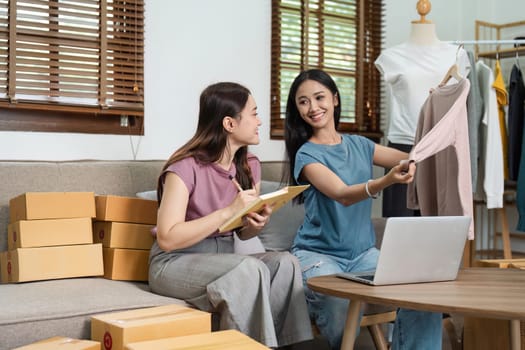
33, 311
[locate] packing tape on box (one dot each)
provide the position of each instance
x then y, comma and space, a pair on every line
145, 317
69, 341
9, 267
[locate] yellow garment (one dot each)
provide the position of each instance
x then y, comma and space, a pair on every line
502, 97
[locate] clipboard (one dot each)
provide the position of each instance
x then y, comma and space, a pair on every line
275, 200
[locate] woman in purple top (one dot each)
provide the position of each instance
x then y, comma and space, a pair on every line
201, 186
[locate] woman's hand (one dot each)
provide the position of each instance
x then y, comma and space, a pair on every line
254, 222
403, 172
258, 220
242, 199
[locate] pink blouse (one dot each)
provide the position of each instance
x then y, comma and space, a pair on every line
443, 183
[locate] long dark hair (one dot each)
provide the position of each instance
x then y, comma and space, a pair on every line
296, 130
210, 140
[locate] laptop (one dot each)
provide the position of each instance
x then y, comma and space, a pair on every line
418, 249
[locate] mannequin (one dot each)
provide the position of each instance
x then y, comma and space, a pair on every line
423, 31
410, 70
423, 8
423, 34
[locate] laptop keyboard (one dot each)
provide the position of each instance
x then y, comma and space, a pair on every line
367, 277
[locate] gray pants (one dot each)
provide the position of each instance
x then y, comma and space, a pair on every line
260, 295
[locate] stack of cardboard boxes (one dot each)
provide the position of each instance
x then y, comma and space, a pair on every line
173, 327
160, 328
50, 236
115, 330
123, 225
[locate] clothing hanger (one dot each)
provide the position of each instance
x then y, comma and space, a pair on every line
453, 71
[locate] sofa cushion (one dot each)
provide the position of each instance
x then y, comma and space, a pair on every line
151, 195
279, 233
37, 310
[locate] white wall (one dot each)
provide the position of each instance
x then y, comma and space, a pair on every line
208, 41
190, 44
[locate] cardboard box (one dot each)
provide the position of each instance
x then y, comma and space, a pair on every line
62, 343
221, 340
52, 205
117, 329
123, 235
46, 263
501, 263
49, 232
126, 264
126, 209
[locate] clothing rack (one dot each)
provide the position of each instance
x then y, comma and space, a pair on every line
486, 42
494, 41
498, 53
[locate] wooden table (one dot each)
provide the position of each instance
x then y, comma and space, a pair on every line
482, 292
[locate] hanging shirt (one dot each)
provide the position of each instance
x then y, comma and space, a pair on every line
442, 184
490, 178
474, 115
516, 103
409, 72
516, 115
502, 98
520, 192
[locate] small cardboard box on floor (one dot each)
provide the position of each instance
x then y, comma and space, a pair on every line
221, 340
126, 209
49, 232
123, 235
126, 264
51, 205
46, 263
117, 329
62, 343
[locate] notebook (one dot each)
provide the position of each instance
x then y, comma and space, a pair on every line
418, 249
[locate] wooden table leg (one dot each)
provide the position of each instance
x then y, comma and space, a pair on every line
352, 322
515, 336
505, 233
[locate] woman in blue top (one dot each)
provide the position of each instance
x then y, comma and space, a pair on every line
337, 234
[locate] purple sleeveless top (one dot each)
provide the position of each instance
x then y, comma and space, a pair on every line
209, 186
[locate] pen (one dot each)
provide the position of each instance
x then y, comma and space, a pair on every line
235, 183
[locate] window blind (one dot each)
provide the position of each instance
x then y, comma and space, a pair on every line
342, 37
72, 55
